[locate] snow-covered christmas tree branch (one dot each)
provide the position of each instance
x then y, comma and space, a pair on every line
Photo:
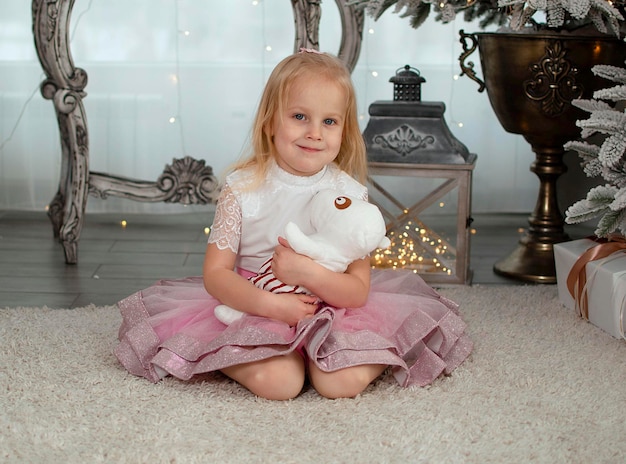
606, 159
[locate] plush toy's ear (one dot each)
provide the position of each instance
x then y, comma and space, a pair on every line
384, 243
227, 315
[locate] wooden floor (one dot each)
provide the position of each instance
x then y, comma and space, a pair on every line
115, 261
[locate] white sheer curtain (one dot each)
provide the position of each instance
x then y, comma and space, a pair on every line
204, 63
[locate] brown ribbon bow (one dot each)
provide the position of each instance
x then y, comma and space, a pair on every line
577, 278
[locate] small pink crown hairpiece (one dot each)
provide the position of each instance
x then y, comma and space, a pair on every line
310, 50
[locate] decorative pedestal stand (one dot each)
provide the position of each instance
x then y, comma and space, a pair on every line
531, 80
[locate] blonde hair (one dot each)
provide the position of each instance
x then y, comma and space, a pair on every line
352, 156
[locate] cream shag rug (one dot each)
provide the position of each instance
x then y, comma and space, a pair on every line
542, 386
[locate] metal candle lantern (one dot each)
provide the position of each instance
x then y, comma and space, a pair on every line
409, 138
407, 84
407, 130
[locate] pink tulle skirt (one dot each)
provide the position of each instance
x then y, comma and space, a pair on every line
170, 328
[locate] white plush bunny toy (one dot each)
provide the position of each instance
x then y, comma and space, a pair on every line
346, 229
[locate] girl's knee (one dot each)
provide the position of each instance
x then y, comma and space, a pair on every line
344, 383
335, 385
279, 378
276, 384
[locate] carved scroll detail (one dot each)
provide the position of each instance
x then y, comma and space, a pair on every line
554, 83
403, 140
186, 180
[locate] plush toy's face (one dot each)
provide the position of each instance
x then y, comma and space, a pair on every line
354, 225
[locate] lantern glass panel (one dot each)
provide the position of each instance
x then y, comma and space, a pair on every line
427, 222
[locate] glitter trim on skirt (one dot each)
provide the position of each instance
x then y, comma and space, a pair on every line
170, 328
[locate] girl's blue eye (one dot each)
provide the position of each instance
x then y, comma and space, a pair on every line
299, 116
329, 121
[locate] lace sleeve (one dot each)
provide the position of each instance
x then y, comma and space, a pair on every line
226, 228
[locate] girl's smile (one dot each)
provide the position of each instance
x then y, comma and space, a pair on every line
309, 132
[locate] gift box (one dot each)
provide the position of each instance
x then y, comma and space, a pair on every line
591, 279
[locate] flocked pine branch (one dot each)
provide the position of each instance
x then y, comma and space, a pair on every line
613, 73
603, 15
445, 11
612, 151
597, 203
611, 222
588, 154
617, 93
610, 123
606, 158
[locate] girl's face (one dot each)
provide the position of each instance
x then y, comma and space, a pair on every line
308, 134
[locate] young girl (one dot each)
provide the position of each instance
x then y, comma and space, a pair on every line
305, 138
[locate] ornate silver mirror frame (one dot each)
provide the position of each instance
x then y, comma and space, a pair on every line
186, 180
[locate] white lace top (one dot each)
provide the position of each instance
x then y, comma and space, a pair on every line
248, 222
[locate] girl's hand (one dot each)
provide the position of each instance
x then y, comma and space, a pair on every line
292, 308
349, 289
289, 266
